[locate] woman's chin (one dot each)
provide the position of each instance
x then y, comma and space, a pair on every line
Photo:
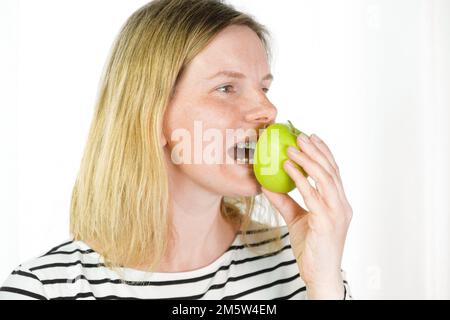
254, 191
243, 181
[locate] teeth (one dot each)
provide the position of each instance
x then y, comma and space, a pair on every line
248, 145
245, 151
245, 160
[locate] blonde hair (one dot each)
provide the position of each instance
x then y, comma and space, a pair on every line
120, 197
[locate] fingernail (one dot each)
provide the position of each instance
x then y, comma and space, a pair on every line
304, 138
293, 150
315, 138
289, 163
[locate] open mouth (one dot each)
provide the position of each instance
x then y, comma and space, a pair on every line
242, 152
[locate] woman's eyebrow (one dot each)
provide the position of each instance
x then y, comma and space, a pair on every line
237, 75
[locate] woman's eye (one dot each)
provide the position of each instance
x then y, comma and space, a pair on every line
229, 89
226, 89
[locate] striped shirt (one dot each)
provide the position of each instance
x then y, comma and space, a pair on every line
73, 270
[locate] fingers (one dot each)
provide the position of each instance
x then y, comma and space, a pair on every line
324, 180
322, 146
325, 151
288, 208
311, 196
311, 148
319, 151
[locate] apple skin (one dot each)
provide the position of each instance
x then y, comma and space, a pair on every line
270, 154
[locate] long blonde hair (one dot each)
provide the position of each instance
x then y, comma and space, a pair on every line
120, 196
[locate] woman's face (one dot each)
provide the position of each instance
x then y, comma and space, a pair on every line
220, 99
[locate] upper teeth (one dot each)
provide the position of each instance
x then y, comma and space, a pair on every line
249, 144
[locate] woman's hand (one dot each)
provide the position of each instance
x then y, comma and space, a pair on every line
317, 236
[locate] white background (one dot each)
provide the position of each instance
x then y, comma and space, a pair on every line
371, 77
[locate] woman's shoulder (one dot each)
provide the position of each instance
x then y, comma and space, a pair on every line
69, 253
27, 281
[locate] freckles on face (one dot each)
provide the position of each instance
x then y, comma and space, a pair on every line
204, 100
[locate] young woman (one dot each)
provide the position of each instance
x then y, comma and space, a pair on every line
146, 226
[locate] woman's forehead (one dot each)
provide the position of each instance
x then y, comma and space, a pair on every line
236, 48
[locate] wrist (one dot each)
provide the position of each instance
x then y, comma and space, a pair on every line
333, 290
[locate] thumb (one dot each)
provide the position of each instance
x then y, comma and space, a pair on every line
284, 203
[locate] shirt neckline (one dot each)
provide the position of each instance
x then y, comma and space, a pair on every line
133, 273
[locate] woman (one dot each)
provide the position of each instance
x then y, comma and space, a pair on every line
145, 224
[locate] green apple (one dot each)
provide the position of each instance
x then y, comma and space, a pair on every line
270, 154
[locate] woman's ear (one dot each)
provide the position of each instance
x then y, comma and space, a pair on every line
163, 140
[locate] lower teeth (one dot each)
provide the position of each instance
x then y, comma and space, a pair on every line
244, 156
246, 161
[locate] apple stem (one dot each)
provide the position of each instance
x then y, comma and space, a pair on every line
293, 129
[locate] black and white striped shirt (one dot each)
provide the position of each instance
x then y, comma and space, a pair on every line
73, 270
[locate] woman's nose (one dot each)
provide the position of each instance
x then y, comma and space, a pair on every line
265, 113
